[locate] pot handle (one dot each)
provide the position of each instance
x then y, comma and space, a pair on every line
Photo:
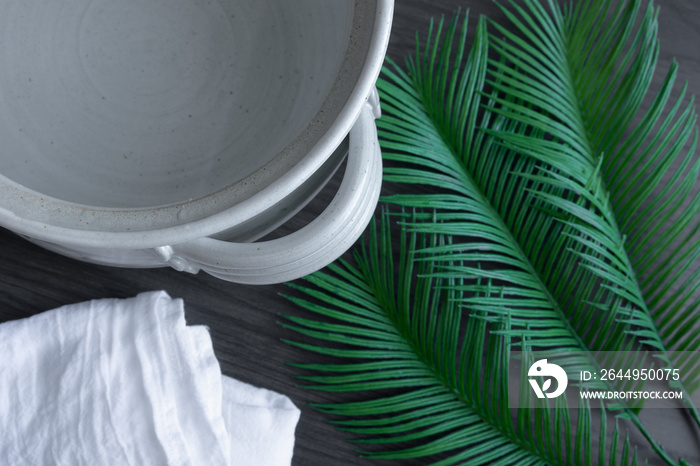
314, 246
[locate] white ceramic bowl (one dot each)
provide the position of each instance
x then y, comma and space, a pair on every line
142, 134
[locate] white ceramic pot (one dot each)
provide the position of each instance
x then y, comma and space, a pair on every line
175, 132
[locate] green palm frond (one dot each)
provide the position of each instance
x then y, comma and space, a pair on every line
616, 199
512, 232
403, 340
485, 198
540, 227
527, 239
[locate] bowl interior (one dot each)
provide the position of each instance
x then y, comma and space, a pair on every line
134, 104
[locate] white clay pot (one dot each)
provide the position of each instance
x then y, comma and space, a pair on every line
176, 132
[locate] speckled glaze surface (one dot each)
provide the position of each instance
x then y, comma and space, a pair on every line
138, 126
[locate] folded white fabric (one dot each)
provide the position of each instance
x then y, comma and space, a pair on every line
126, 382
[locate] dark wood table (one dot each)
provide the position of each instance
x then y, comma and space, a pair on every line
244, 319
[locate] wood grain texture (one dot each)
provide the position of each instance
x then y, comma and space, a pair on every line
243, 320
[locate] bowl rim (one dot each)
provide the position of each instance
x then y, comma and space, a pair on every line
30, 213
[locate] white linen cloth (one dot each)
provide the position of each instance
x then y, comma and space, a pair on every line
126, 382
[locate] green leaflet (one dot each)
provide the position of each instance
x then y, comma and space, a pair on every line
542, 226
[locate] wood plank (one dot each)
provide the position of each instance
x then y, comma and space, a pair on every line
243, 320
